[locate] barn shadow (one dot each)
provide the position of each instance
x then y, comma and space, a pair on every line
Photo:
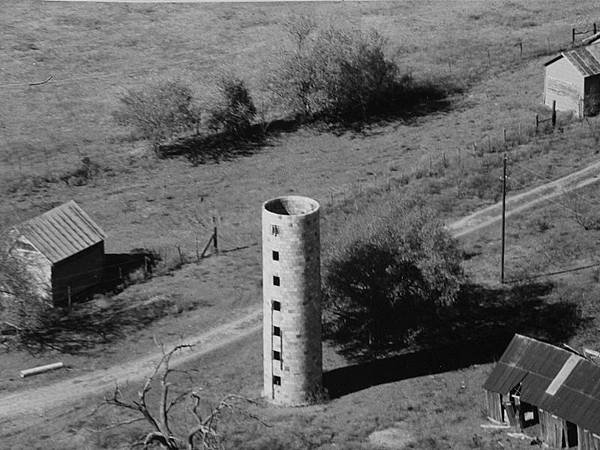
91, 321
475, 330
119, 268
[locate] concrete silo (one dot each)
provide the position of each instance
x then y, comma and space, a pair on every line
292, 354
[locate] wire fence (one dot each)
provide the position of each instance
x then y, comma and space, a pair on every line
481, 157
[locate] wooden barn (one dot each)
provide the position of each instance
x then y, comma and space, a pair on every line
63, 249
572, 80
547, 390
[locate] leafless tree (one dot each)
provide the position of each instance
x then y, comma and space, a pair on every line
203, 435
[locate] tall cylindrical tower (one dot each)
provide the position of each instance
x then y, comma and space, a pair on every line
292, 354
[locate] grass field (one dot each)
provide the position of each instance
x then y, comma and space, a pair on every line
95, 51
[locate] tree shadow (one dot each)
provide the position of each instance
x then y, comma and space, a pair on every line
216, 147
88, 327
475, 330
405, 103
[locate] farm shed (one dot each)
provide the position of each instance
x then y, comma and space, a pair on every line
63, 249
535, 383
572, 80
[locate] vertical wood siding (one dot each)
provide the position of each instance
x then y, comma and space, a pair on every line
494, 406
563, 84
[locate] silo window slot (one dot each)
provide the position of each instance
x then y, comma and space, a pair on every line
274, 230
276, 281
276, 355
276, 380
275, 256
276, 305
276, 331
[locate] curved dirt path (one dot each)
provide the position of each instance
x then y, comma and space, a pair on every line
33, 405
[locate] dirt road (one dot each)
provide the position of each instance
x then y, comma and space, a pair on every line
36, 404
32, 404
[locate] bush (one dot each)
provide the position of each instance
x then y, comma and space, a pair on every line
339, 73
234, 112
387, 276
159, 112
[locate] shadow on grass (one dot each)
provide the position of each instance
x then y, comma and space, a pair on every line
101, 321
407, 104
88, 326
475, 330
119, 267
217, 147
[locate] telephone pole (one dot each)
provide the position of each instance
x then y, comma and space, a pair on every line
503, 215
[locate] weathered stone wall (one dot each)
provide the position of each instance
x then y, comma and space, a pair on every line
292, 354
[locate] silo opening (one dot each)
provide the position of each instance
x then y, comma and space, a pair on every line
291, 206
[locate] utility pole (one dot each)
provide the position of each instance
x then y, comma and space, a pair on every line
503, 215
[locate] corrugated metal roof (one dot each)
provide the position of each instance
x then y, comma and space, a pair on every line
536, 365
591, 39
62, 231
585, 59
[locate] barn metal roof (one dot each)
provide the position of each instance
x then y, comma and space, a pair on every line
62, 231
591, 39
585, 59
538, 366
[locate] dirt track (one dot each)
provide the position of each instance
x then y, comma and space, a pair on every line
33, 405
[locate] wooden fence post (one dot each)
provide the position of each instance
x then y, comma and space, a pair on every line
537, 123
178, 247
553, 113
573, 36
595, 28
215, 238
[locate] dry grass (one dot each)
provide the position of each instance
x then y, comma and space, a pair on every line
91, 49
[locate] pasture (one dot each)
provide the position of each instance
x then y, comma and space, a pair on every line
95, 51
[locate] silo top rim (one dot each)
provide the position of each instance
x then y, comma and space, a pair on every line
291, 205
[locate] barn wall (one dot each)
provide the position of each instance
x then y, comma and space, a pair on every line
551, 429
494, 406
587, 440
565, 84
81, 272
38, 266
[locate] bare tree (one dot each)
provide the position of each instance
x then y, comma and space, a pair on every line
203, 435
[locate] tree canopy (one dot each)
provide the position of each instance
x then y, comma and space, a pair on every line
386, 277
